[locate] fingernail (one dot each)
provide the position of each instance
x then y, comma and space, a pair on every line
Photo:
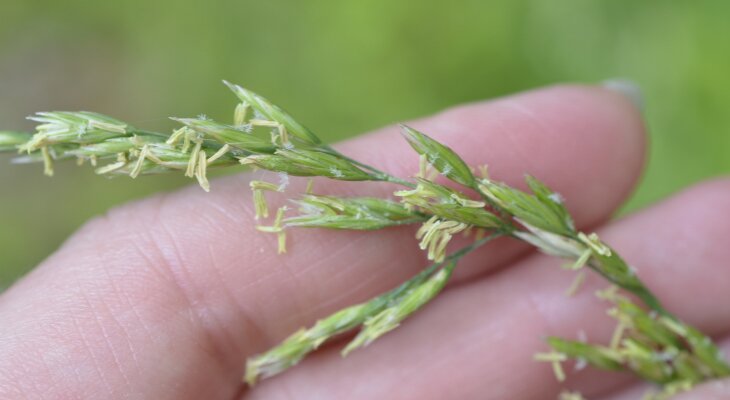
628, 89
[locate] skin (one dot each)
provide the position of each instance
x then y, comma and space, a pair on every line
166, 297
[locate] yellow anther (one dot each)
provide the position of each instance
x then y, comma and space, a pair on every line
278, 229
140, 161
218, 154
283, 136
260, 206
202, 171
193, 161
239, 115
435, 235
263, 185
176, 136
264, 122
47, 161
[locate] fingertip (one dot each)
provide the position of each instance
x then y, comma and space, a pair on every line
628, 89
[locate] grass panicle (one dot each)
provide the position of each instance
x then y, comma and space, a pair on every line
649, 341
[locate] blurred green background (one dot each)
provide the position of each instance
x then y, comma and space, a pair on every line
341, 67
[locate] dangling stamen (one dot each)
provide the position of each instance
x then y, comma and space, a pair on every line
140, 161
193, 161
202, 171
239, 115
220, 153
47, 161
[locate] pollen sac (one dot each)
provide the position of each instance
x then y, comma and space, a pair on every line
441, 157
235, 137
361, 213
302, 162
435, 234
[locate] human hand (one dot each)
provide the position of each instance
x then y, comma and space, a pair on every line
165, 298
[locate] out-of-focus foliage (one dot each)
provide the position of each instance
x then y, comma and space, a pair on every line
341, 68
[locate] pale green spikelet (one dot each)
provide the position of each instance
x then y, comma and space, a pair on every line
390, 317
273, 113
72, 127
602, 357
543, 209
303, 162
406, 298
551, 243
358, 213
441, 157
293, 349
98, 138
550, 199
